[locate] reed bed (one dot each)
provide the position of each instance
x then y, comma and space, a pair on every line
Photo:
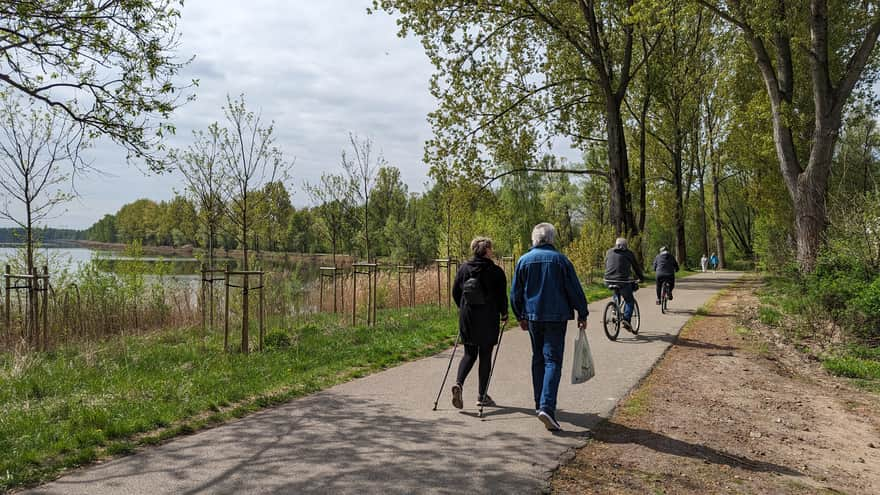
138, 297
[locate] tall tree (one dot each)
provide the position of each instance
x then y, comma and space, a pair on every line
679, 70
539, 68
835, 46
109, 65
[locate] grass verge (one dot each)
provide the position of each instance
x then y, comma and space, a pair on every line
786, 306
77, 404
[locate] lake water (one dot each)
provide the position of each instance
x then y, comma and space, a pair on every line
72, 257
179, 267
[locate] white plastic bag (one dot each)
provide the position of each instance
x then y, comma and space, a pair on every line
583, 368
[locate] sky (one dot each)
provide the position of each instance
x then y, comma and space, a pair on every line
319, 70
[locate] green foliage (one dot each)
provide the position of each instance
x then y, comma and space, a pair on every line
104, 230
115, 62
587, 252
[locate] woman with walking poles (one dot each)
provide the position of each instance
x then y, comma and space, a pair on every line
480, 292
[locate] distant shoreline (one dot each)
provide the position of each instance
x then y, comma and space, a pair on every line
323, 259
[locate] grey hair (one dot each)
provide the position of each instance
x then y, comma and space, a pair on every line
480, 245
543, 233
621, 242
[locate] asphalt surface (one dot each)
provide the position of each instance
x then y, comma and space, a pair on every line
379, 434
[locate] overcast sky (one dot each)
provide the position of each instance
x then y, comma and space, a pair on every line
318, 69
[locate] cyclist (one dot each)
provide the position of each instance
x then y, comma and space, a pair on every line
665, 267
620, 262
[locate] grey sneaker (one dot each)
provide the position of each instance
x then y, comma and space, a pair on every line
485, 401
626, 325
549, 422
456, 396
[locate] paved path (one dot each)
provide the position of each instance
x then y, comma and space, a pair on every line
378, 434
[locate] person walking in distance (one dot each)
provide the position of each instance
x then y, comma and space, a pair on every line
703, 262
480, 292
713, 262
620, 262
665, 267
544, 294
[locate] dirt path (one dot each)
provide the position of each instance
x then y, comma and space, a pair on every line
727, 412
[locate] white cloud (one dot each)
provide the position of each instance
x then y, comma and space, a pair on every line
318, 69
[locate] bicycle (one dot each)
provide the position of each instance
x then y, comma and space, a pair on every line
614, 311
665, 291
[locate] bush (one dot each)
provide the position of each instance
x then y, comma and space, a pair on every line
867, 300
278, 339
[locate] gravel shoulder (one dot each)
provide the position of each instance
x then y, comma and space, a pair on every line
729, 409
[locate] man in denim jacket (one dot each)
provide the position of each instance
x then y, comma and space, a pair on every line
544, 294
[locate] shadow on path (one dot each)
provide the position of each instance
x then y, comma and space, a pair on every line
613, 433
607, 431
648, 337
328, 444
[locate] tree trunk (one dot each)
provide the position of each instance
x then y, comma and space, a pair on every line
643, 136
716, 206
245, 324
621, 200
704, 220
680, 240
811, 216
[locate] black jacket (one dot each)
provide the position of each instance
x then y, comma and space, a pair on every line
665, 264
480, 324
619, 263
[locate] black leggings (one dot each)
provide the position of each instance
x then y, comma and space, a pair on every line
665, 278
471, 352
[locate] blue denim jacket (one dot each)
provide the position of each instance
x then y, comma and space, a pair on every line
546, 288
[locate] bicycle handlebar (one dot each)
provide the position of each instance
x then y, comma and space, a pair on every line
622, 281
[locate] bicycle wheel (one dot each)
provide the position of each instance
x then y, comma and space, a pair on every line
611, 321
664, 297
636, 319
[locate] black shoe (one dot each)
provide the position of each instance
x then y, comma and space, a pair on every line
669, 297
549, 421
456, 396
626, 325
485, 401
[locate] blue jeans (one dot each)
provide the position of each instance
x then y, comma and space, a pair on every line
626, 290
548, 345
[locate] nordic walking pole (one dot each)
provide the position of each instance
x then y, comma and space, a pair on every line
492, 368
440, 392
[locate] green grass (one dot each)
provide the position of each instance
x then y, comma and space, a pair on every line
743, 331
74, 405
637, 403
783, 296
769, 316
853, 367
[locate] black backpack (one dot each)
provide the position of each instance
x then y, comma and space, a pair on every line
472, 291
